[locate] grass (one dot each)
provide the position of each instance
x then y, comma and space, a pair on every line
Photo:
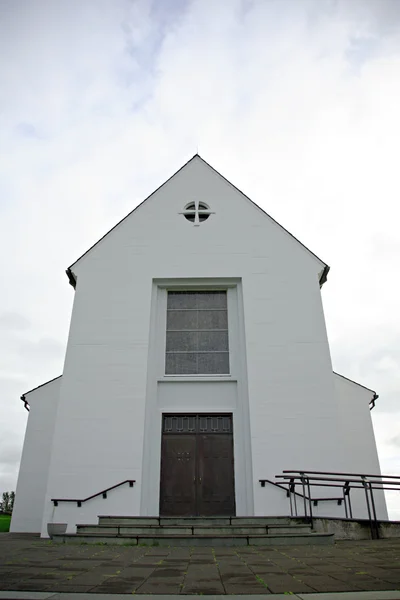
5, 522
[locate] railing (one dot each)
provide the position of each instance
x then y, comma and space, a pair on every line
291, 494
345, 481
103, 493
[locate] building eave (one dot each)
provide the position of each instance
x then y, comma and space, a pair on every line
324, 276
26, 403
39, 386
71, 277
374, 397
372, 402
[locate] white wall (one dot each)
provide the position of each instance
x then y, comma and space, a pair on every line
362, 456
294, 422
35, 459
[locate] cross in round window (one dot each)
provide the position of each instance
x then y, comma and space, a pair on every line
197, 212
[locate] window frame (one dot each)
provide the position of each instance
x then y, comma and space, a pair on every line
233, 328
198, 352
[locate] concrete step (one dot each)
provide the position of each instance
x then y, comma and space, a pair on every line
193, 530
104, 519
283, 529
293, 539
264, 521
197, 521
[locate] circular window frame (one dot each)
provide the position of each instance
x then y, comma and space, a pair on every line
196, 212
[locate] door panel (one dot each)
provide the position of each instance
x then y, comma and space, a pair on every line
215, 489
178, 473
197, 470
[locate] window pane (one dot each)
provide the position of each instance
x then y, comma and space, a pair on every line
197, 333
211, 300
212, 340
213, 363
185, 319
182, 363
213, 319
185, 341
196, 300
182, 300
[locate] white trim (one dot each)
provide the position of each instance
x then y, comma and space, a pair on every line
232, 397
202, 378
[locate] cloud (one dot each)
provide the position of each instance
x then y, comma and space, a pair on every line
395, 440
295, 102
11, 321
27, 130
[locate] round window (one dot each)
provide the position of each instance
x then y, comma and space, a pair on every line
196, 212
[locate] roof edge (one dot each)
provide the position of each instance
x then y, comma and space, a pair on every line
26, 403
326, 268
71, 277
69, 271
323, 277
39, 386
355, 383
372, 402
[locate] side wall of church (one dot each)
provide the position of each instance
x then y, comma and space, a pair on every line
35, 459
362, 456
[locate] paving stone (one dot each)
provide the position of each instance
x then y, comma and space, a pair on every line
32, 564
71, 589
372, 584
247, 589
285, 583
157, 585
122, 587
320, 583
139, 571
31, 586
203, 587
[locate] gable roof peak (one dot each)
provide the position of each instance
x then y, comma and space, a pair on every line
324, 270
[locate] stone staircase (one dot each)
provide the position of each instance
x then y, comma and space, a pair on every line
196, 531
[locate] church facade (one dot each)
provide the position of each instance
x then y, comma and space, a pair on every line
197, 364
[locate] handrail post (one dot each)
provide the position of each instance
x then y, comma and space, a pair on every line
345, 492
289, 493
293, 488
310, 502
373, 510
365, 485
304, 494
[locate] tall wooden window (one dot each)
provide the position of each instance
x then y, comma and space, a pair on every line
197, 333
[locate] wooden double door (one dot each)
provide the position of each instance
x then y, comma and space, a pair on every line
197, 470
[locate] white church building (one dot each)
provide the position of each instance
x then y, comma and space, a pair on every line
197, 364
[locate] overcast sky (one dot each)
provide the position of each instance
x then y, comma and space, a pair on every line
295, 102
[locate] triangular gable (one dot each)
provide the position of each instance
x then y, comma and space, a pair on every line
23, 397
374, 396
324, 267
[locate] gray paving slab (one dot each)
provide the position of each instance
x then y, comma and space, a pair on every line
30, 565
393, 595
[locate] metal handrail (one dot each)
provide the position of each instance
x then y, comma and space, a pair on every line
339, 473
102, 493
343, 480
289, 493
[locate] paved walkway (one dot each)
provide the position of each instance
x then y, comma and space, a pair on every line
30, 564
